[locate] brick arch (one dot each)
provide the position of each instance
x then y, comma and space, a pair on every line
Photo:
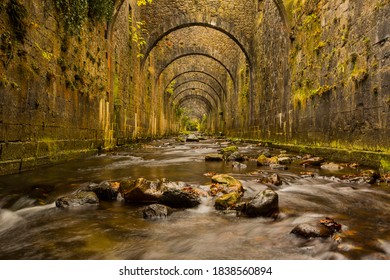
197, 72
197, 97
199, 84
197, 54
195, 91
168, 28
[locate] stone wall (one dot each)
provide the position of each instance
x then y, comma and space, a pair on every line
312, 73
56, 96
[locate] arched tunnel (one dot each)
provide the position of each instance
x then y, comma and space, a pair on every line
295, 73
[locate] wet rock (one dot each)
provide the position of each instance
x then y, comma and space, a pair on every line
236, 156
262, 160
332, 166
156, 211
276, 166
192, 138
176, 198
273, 179
238, 165
366, 177
141, 191
226, 201
214, 157
312, 230
265, 204
77, 199
231, 183
229, 150
314, 161
331, 224
284, 160
106, 191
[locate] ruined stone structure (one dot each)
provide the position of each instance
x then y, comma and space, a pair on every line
307, 73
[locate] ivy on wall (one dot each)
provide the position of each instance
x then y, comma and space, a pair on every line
76, 12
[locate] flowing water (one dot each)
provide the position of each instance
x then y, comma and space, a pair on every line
31, 227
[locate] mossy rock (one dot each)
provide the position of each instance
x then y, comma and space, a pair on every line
230, 182
140, 191
226, 201
214, 157
229, 150
262, 160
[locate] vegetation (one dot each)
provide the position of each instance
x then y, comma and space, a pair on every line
137, 31
77, 12
170, 88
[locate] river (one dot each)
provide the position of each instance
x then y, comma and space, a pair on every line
31, 227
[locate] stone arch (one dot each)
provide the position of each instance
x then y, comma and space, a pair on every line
198, 72
195, 91
197, 97
157, 37
282, 12
196, 54
199, 84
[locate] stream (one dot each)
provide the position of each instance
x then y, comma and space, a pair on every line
32, 227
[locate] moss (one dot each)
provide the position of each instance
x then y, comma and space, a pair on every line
385, 165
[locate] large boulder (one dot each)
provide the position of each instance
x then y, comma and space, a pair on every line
180, 198
264, 204
141, 191
156, 211
79, 198
105, 191
227, 181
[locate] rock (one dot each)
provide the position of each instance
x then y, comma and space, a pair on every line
192, 138
239, 165
262, 160
236, 156
367, 176
265, 204
226, 201
141, 191
312, 230
284, 160
276, 166
332, 166
314, 161
231, 183
184, 198
105, 191
214, 157
273, 179
79, 198
229, 150
156, 211
331, 224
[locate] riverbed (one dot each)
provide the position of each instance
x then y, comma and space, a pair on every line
32, 227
